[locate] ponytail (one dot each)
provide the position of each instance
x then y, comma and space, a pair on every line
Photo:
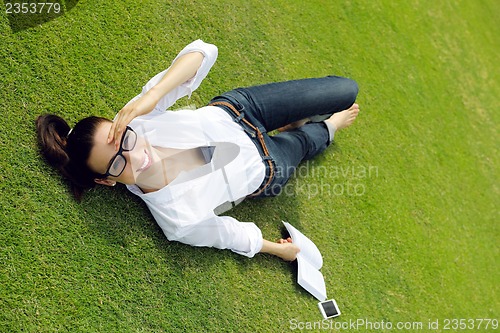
52, 137
68, 150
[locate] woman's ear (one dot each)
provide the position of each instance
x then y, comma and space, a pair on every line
106, 182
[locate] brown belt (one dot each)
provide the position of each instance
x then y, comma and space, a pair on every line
260, 137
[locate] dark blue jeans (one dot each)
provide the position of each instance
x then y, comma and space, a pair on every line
271, 106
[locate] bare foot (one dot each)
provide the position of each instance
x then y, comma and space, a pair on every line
293, 125
344, 118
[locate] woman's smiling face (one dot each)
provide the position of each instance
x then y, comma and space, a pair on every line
137, 160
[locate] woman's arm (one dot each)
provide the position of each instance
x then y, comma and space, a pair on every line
283, 249
225, 232
182, 70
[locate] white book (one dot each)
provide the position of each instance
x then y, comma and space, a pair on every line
309, 263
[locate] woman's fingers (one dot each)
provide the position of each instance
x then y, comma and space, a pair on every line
114, 127
123, 118
283, 241
111, 133
141, 106
115, 130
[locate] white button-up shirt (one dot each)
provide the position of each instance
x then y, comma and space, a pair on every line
186, 209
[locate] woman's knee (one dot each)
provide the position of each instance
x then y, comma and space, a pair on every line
352, 90
347, 89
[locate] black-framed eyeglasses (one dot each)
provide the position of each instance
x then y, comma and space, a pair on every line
119, 162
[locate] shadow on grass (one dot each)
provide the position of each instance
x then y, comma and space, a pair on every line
116, 212
117, 216
27, 14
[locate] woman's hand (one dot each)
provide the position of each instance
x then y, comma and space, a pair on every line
283, 241
141, 106
283, 248
183, 69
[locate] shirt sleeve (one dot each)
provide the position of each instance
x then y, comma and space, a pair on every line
221, 232
209, 52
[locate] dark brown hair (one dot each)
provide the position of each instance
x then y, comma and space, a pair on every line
68, 151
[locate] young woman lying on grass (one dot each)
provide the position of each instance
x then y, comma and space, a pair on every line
190, 166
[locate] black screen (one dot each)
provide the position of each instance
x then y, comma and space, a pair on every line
330, 309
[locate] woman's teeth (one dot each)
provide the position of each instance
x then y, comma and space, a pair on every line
146, 161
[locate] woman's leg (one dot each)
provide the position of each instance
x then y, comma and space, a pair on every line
271, 106
290, 148
278, 104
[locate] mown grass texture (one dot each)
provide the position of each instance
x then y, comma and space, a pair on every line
418, 241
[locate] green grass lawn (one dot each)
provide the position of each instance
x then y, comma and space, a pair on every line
403, 207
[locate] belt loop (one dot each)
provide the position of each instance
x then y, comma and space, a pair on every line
240, 116
234, 100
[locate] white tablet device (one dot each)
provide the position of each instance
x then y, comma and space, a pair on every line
329, 309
